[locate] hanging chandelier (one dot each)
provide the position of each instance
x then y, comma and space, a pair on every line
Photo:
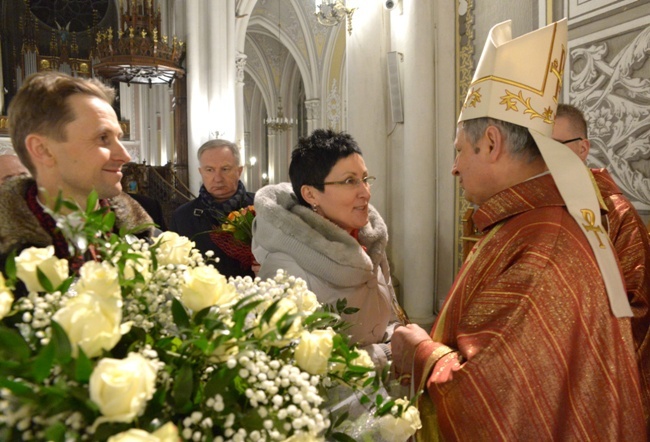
333, 12
280, 123
138, 54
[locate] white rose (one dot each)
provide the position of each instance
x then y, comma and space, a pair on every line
224, 352
6, 298
204, 287
6, 301
314, 350
140, 265
363, 360
92, 323
166, 433
99, 278
55, 269
306, 301
122, 387
400, 428
134, 435
285, 306
173, 249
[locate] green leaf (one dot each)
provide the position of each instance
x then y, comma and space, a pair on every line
44, 281
202, 344
108, 222
58, 202
270, 311
61, 343
55, 432
183, 388
13, 346
65, 285
83, 367
10, 267
91, 202
43, 362
342, 437
219, 381
179, 313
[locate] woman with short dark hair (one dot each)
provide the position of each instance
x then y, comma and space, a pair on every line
322, 229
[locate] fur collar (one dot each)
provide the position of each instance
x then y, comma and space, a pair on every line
19, 228
317, 244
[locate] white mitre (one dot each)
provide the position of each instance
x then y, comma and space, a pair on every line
519, 81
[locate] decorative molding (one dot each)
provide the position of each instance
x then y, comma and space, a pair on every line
464, 73
313, 110
579, 10
608, 82
334, 106
240, 64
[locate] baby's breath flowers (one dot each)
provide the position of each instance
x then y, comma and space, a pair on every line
148, 342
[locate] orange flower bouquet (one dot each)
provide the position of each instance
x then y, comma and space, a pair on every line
235, 234
240, 224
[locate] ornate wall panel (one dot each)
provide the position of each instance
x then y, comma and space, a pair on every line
464, 71
608, 77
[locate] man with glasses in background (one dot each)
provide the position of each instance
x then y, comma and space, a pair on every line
628, 234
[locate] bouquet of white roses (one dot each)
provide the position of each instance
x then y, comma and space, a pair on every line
149, 342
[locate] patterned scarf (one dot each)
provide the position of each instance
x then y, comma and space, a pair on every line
61, 249
219, 210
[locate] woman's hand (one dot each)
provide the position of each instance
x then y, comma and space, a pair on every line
404, 342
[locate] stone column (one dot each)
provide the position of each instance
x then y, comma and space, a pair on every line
366, 99
419, 171
240, 139
211, 75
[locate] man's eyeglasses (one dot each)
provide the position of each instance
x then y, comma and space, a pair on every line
571, 140
354, 182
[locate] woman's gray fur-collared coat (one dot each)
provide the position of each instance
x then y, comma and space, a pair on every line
289, 236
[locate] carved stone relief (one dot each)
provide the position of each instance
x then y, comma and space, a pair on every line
334, 107
608, 81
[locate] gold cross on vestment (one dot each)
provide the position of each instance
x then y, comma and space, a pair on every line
591, 226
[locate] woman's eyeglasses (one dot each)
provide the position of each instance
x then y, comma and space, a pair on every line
354, 182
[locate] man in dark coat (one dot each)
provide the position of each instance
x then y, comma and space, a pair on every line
66, 133
221, 193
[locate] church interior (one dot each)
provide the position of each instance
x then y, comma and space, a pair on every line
391, 73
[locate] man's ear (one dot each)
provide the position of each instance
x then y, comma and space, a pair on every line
495, 141
308, 194
39, 150
583, 150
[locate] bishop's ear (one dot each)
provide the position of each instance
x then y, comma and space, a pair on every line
495, 141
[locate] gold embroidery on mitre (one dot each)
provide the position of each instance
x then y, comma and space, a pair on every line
510, 100
557, 69
590, 218
473, 98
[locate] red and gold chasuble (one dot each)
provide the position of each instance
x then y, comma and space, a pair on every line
632, 244
545, 357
